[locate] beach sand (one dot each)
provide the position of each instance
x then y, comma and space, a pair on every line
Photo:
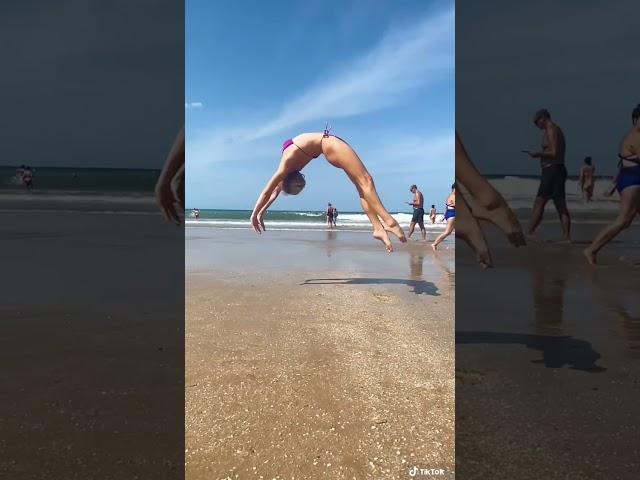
547, 358
317, 355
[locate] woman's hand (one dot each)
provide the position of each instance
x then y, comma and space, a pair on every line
481, 201
261, 221
257, 223
166, 200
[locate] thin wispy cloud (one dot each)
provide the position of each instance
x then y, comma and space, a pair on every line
405, 59
193, 105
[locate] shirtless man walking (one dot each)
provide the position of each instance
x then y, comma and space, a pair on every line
554, 174
418, 212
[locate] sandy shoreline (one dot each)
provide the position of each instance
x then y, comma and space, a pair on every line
339, 365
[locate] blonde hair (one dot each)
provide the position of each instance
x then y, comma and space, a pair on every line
293, 183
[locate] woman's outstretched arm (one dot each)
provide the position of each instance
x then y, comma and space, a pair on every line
274, 195
266, 198
166, 194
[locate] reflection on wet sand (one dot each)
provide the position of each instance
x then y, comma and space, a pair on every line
331, 242
416, 260
417, 264
629, 326
558, 349
548, 301
621, 309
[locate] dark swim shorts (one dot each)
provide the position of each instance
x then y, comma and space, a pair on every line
552, 182
418, 215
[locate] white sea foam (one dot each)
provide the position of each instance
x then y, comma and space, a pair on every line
520, 193
307, 214
350, 221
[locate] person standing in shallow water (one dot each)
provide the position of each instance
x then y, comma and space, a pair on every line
335, 216
587, 179
288, 179
329, 214
432, 214
554, 174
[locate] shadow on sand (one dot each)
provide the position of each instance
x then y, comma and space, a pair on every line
557, 351
420, 287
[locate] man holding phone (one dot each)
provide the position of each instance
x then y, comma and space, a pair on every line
554, 173
418, 212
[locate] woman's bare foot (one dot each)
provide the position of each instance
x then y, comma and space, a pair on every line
397, 231
384, 238
590, 256
434, 247
502, 217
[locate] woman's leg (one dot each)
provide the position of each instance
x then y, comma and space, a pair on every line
451, 223
487, 203
339, 154
369, 193
379, 232
629, 208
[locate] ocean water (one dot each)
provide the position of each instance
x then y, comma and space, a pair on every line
520, 191
80, 189
97, 180
297, 220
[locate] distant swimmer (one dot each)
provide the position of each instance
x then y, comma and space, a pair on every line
195, 213
329, 215
19, 174
298, 152
27, 178
450, 218
587, 179
418, 212
554, 173
627, 182
432, 214
335, 216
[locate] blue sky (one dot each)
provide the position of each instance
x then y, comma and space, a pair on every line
578, 68
381, 72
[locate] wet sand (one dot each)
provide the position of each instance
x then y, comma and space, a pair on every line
317, 355
547, 358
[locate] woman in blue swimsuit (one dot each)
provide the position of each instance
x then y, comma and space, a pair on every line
450, 218
627, 183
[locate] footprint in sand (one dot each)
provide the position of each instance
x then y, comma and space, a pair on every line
470, 376
382, 298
